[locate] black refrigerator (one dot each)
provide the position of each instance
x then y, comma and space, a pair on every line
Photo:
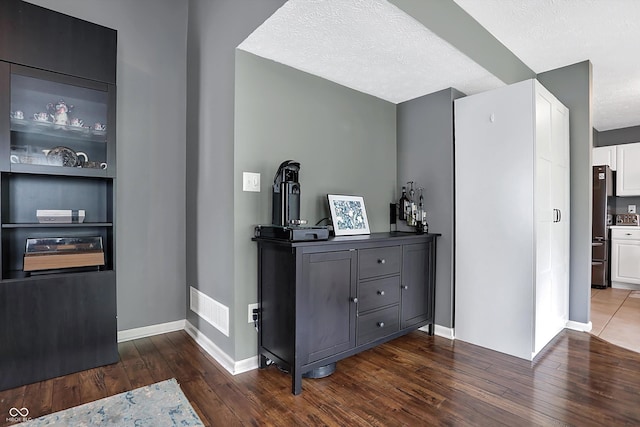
603, 199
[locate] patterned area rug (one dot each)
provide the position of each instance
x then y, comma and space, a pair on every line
160, 404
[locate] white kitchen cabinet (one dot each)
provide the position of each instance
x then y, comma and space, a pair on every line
604, 156
512, 218
628, 169
625, 256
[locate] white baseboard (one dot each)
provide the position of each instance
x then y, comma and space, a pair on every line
627, 286
443, 331
220, 356
149, 331
245, 365
440, 331
579, 326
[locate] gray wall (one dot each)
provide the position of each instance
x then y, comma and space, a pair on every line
344, 140
572, 86
215, 29
150, 212
426, 156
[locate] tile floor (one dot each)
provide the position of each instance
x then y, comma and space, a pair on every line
615, 316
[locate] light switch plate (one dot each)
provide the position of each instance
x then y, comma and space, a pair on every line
251, 181
632, 208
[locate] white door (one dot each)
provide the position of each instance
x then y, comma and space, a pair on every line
604, 156
624, 261
628, 173
560, 246
552, 208
544, 202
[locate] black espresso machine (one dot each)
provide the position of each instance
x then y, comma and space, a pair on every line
285, 211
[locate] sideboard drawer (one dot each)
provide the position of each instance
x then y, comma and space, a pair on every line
379, 261
378, 324
378, 293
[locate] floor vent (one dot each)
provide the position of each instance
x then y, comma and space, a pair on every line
210, 310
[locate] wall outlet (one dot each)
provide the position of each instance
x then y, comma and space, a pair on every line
631, 209
251, 181
251, 308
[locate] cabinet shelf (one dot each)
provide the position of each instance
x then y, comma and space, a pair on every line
59, 170
57, 225
13, 275
58, 131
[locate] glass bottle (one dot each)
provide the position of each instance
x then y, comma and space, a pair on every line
421, 214
403, 203
411, 207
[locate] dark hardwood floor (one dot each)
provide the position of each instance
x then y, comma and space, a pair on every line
414, 380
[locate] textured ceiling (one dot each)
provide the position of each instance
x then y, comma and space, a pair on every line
548, 34
374, 47
367, 45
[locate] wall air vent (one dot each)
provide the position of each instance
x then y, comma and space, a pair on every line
210, 310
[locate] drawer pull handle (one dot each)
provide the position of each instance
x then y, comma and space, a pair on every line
380, 324
382, 261
405, 287
381, 293
628, 234
354, 299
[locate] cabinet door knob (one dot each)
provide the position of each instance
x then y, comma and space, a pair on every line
382, 261
380, 292
405, 287
380, 324
354, 299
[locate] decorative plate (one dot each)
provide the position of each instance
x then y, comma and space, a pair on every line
67, 155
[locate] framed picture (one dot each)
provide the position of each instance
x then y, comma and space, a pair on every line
348, 214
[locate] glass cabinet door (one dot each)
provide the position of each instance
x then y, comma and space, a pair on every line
57, 122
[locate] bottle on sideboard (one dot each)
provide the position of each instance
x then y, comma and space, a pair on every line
421, 216
403, 202
410, 213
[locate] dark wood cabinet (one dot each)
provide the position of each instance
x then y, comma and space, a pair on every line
54, 321
56, 325
329, 304
322, 301
417, 269
37, 37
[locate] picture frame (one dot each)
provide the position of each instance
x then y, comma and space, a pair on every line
348, 214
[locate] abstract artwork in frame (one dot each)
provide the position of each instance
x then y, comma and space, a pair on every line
348, 215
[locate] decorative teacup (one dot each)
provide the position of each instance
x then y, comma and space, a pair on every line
41, 117
26, 159
76, 122
18, 115
99, 127
95, 165
82, 158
